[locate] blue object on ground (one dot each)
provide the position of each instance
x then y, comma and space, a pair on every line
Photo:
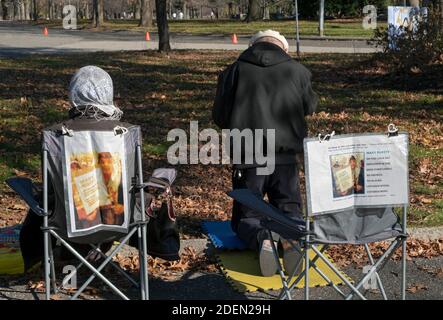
10, 234
222, 235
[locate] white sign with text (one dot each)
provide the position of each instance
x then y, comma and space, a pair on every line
356, 171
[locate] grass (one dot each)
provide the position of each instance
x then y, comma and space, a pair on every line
336, 28
162, 92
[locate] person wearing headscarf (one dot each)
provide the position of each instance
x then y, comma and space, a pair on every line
91, 96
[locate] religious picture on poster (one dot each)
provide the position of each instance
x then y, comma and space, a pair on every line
96, 180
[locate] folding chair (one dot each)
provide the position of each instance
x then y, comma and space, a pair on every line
355, 226
96, 177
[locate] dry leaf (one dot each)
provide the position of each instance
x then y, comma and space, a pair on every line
414, 289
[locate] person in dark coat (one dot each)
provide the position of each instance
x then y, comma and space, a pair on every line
267, 89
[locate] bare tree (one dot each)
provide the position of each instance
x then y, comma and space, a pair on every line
146, 13
51, 9
254, 12
441, 15
98, 15
27, 9
34, 10
162, 25
4, 8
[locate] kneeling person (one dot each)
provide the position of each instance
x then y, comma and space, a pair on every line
266, 89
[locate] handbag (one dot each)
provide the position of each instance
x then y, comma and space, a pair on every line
163, 239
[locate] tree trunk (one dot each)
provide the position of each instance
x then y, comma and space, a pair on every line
50, 9
137, 13
4, 9
34, 10
441, 15
146, 13
253, 11
98, 13
162, 25
87, 11
266, 13
16, 10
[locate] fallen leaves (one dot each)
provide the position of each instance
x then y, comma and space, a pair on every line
349, 254
436, 272
190, 261
17, 206
415, 288
38, 286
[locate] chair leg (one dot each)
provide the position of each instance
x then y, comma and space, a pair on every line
337, 272
52, 262
279, 268
403, 270
46, 235
46, 266
378, 265
306, 271
115, 266
379, 282
96, 271
145, 262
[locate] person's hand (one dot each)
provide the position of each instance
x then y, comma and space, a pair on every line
359, 188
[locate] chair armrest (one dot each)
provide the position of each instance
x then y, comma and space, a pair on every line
24, 187
250, 200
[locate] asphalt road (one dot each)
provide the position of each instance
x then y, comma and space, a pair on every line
17, 39
422, 282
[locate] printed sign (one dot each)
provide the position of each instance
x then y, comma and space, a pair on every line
356, 171
401, 18
97, 186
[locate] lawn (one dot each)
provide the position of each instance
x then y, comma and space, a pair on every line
335, 28
164, 92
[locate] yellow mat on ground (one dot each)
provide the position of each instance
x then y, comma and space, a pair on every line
11, 261
242, 271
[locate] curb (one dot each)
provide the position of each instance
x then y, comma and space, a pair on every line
426, 233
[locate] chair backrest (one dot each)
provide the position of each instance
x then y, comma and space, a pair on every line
92, 168
352, 184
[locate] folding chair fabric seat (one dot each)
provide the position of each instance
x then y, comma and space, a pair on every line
359, 226
53, 143
101, 139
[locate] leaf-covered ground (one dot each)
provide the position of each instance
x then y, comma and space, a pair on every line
163, 92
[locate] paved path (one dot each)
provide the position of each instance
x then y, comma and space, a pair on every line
23, 39
213, 286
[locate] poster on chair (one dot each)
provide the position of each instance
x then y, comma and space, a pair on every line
348, 171
96, 196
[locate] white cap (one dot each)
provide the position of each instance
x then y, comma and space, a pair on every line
272, 34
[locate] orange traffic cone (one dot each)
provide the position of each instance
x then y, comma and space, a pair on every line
45, 31
148, 36
234, 39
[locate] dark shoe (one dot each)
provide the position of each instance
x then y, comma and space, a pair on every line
292, 257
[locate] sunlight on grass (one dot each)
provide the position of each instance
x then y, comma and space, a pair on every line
341, 28
161, 92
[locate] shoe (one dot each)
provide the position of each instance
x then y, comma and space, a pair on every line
268, 265
292, 257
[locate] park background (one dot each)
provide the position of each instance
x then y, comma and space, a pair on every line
165, 90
